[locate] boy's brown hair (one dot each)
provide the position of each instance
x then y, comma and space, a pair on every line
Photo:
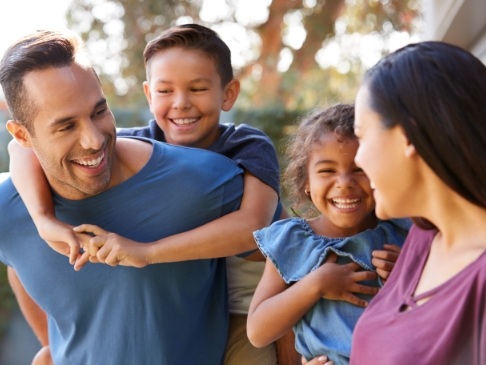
195, 37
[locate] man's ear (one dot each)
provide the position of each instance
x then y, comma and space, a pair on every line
20, 133
231, 92
148, 94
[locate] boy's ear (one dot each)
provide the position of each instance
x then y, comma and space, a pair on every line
148, 94
231, 92
20, 133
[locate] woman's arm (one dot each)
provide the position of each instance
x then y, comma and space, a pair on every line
30, 181
229, 235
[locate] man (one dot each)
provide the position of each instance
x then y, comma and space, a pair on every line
140, 189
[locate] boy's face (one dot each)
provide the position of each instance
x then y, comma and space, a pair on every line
186, 96
74, 130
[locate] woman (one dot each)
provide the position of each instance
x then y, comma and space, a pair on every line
421, 121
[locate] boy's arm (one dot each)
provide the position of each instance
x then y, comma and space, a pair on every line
229, 235
30, 181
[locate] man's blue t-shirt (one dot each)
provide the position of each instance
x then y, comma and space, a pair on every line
162, 314
247, 146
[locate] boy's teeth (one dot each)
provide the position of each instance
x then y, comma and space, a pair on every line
184, 121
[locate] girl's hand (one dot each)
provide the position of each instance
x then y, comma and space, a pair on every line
384, 260
342, 281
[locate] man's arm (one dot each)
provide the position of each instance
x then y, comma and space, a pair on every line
34, 315
229, 235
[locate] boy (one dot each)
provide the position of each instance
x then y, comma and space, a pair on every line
189, 81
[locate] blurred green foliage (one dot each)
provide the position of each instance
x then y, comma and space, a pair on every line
7, 301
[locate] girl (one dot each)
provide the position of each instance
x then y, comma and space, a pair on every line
315, 268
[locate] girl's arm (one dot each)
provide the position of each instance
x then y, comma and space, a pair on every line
229, 235
276, 306
32, 186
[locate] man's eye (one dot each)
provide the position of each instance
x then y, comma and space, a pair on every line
66, 128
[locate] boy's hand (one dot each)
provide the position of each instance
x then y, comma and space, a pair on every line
109, 248
384, 260
59, 236
340, 281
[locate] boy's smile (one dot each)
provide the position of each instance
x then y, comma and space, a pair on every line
186, 96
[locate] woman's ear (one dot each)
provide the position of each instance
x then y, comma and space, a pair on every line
409, 148
20, 133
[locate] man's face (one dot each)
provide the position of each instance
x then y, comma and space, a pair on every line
74, 130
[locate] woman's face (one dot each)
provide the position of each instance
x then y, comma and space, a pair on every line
382, 156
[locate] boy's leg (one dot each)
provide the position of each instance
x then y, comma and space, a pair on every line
286, 353
239, 350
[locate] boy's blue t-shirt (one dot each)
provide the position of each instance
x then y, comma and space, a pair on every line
162, 314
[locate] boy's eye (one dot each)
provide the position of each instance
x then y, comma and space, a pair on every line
359, 170
101, 112
163, 91
199, 89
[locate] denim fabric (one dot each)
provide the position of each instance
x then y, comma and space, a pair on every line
296, 250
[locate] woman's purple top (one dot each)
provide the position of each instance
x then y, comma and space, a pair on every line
448, 328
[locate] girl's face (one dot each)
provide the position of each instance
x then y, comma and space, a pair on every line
382, 154
339, 189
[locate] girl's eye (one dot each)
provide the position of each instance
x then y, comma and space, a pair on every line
163, 91
359, 170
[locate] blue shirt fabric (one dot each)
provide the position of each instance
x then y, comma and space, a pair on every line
249, 147
162, 314
296, 250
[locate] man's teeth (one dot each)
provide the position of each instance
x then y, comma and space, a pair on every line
92, 163
183, 121
346, 203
